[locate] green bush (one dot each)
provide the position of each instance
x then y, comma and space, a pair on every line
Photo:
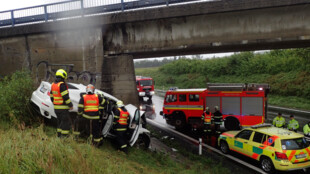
15, 92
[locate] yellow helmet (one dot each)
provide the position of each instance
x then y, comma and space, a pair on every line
61, 73
119, 103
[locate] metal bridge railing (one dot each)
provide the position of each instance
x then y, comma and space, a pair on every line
73, 9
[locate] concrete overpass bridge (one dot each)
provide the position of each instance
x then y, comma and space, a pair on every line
100, 46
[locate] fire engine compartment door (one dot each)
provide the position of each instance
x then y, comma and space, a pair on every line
252, 110
213, 101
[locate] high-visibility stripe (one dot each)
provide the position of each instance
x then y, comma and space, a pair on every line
59, 130
64, 93
97, 139
100, 107
64, 132
121, 129
68, 101
81, 106
61, 107
91, 117
116, 116
76, 133
123, 146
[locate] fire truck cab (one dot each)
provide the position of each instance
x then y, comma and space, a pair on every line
145, 87
242, 105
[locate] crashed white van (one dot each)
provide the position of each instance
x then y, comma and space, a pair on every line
42, 103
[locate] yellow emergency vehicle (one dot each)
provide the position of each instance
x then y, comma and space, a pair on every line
275, 148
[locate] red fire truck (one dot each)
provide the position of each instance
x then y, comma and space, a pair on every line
145, 87
242, 105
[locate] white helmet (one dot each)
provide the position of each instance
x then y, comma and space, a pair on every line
90, 89
119, 103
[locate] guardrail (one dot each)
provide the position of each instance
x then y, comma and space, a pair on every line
74, 9
305, 114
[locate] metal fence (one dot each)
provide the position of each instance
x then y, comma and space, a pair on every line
74, 9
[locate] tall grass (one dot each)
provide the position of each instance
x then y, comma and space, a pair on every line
32, 150
15, 92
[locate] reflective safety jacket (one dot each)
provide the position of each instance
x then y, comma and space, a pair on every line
293, 124
60, 96
278, 122
207, 117
306, 129
121, 117
90, 105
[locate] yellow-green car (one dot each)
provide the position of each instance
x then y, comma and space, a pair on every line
274, 148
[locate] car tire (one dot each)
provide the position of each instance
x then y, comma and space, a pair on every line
144, 141
179, 122
267, 165
224, 147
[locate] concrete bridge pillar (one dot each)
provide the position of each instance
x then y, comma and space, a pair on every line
118, 78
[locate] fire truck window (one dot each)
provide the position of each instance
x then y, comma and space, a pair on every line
213, 101
146, 82
193, 97
182, 97
246, 134
171, 98
258, 137
252, 106
231, 105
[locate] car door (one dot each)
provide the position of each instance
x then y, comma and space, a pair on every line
108, 125
242, 142
257, 144
134, 124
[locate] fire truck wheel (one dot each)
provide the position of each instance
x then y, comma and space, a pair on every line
232, 123
179, 122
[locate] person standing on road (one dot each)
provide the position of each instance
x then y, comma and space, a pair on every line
306, 129
293, 124
121, 117
279, 121
207, 119
59, 95
218, 120
90, 105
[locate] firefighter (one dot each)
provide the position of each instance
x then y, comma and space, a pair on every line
90, 105
293, 124
279, 121
60, 97
121, 117
218, 120
207, 119
306, 129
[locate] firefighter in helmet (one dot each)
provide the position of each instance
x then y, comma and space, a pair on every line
60, 97
207, 119
89, 109
121, 117
218, 120
279, 121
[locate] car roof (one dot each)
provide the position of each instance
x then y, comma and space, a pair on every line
280, 132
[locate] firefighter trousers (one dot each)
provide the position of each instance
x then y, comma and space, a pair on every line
63, 122
88, 127
120, 132
207, 129
217, 129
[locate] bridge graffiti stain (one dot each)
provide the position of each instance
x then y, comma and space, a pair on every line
45, 71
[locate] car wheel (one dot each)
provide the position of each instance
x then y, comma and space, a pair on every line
144, 141
267, 165
224, 147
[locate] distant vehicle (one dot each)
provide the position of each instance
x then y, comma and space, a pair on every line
41, 102
275, 148
145, 87
242, 105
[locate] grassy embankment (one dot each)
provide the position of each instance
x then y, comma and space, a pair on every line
28, 146
286, 71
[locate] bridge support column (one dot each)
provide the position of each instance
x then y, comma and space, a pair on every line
118, 78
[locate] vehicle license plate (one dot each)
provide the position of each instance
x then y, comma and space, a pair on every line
301, 156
